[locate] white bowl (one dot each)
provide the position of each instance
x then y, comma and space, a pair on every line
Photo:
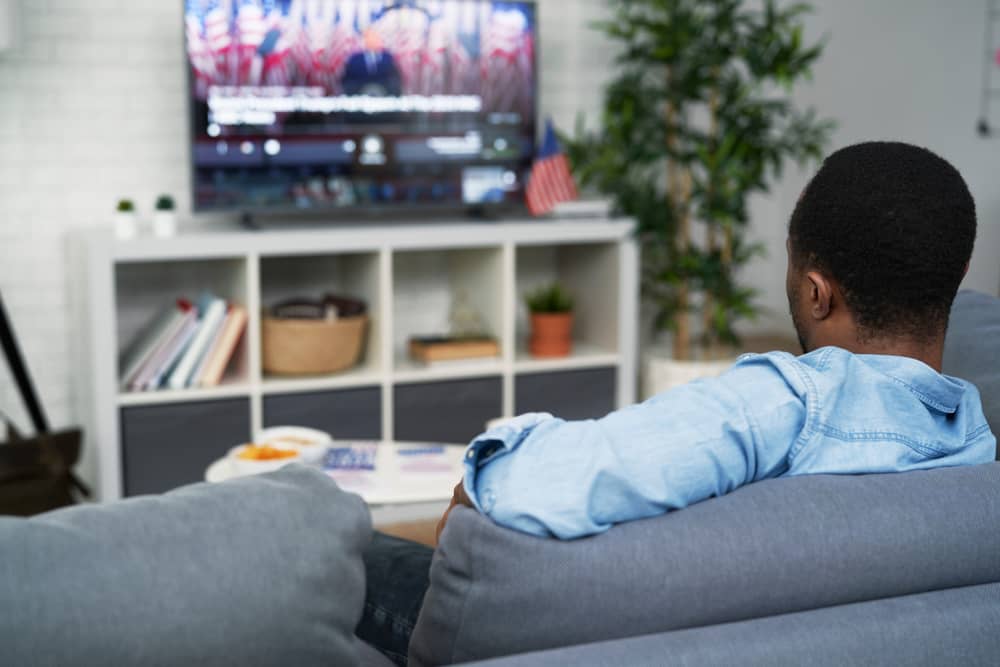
310, 443
254, 466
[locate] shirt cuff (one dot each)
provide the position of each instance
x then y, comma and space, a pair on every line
494, 443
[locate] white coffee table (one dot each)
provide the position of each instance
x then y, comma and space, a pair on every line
401, 488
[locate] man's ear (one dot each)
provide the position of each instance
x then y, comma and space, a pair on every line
820, 295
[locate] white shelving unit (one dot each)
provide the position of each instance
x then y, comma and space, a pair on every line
407, 273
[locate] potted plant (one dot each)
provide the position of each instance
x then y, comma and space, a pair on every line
125, 223
551, 310
164, 217
697, 120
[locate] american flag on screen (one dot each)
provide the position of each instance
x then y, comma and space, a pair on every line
550, 181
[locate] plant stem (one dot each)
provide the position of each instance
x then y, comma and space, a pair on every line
710, 225
678, 197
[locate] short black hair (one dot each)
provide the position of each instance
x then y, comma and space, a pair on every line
893, 224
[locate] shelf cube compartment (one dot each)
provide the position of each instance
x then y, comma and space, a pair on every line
353, 275
587, 393
430, 286
589, 272
346, 414
145, 290
452, 411
170, 445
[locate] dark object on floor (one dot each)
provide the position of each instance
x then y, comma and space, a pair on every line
36, 473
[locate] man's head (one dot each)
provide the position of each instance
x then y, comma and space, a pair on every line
877, 246
372, 40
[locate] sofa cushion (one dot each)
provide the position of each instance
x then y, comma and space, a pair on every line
774, 547
957, 626
972, 348
263, 570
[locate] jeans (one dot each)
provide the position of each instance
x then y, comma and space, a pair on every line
397, 573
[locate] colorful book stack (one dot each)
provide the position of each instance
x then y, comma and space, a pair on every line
187, 345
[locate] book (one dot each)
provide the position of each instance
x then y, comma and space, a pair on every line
433, 349
199, 369
212, 311
173, 351
219, 355
155, 359
145, 344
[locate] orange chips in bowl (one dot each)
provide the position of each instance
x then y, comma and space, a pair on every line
254, 452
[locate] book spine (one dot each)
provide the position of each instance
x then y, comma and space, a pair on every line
146, 343
212, 313
221, 354
174, 351
155, 360
195, 379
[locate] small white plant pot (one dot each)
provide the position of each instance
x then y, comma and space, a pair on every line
164, 224
126, 225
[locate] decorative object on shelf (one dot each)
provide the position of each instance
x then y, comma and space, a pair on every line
126, 226
164, 217
551, 309
583, 209
464, 319
551, 182
698, 119
432, 350
468, 339
302, 337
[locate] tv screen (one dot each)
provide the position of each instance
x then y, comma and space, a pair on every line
348, 104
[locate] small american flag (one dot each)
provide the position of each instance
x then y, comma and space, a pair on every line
550, 181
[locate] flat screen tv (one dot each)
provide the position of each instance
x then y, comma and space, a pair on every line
360, 104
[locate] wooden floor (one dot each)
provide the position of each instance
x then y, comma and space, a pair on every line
418, 531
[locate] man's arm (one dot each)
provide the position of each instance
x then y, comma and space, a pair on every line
550, 477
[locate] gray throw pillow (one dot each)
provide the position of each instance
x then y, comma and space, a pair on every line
972, 348
263, 570
774, 547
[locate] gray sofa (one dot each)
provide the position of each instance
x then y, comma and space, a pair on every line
821, 570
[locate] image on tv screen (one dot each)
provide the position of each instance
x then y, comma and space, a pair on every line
327, 104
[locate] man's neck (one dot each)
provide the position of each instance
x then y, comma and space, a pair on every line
929, 352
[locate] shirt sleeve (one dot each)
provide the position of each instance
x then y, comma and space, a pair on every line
550, 477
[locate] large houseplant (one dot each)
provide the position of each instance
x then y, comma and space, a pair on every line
697, 119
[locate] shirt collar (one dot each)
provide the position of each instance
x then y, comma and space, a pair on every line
932, 388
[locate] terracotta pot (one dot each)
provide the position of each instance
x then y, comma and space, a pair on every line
551, 334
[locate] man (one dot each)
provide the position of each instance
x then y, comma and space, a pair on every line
372, 71
877, 246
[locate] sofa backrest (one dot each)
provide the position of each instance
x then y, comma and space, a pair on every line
774, 547
972, 348
263, 570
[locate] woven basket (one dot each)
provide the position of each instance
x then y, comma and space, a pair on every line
309, 347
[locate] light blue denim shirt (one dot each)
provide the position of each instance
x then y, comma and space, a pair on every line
770, 415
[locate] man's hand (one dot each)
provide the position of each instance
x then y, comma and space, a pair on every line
458, 497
